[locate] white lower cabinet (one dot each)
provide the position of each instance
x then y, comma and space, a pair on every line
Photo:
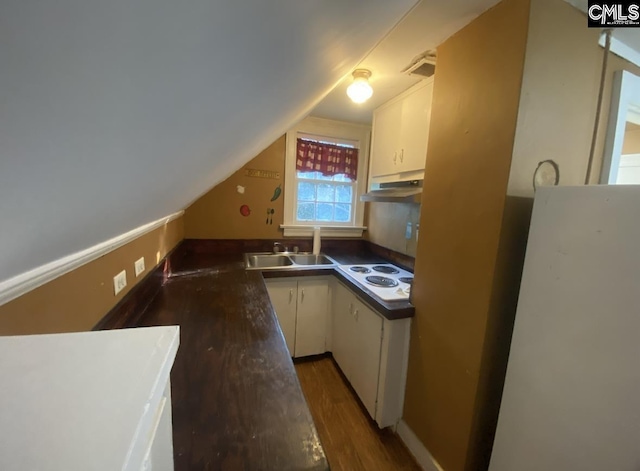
358, 338
372, 352
302, 307
283, 293
320, 314
159, 453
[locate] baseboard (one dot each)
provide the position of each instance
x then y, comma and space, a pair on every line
417, 449
23, 283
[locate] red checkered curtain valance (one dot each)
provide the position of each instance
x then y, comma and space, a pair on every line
328, 159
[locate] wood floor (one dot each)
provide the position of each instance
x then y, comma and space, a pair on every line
352, 441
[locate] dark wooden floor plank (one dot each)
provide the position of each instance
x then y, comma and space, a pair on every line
352, 441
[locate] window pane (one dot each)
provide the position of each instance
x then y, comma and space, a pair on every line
343, 194
306, 212
324, 212
311, 175
325, 192
343, 213
306, 191
322, 177
341, 178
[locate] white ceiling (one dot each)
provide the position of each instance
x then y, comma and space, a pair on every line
428, 24
116, 113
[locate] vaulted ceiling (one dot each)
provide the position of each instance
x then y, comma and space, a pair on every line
116, 113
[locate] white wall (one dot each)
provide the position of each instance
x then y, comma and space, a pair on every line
558, 96
115, 113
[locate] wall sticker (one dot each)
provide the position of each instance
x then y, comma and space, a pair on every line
252, 172
245, 210
276, 193
270, 212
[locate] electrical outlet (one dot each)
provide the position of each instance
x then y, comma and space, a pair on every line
139, 266
407, 232
119, 282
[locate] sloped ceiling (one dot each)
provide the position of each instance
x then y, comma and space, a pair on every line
427, 26
116, 113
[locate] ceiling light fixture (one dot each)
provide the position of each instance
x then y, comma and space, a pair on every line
360, 90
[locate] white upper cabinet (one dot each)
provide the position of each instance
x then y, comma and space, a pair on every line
401, 133
386, 138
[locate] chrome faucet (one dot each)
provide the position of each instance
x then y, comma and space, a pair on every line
277, 247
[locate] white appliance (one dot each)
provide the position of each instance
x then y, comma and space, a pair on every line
384, 280
571, 397
87, 400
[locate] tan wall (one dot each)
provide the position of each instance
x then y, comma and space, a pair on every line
216, 215
475, 105
77, 300
631, 144
387, 224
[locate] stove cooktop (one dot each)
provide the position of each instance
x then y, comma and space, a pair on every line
383, 280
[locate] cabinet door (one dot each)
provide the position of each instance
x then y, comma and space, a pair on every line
283, 294
366, 355
414, 134
311, 324
385, 139
159, 455
343, 328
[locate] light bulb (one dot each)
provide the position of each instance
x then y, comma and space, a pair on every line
360, 90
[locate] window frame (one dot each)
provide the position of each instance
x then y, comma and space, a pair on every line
332, 131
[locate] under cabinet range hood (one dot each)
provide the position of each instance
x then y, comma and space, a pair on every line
409, 191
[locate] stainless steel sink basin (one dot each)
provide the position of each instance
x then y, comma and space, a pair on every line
310, 259
266, 260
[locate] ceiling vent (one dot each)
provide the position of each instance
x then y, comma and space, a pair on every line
423, 65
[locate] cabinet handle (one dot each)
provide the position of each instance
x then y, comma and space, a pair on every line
401, 155
302, 296
395, 157
355, 314
290, 296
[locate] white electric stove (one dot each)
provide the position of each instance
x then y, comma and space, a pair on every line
384, 280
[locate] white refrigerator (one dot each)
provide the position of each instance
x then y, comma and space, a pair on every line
571, 397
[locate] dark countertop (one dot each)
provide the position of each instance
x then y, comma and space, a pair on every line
392, 310
237, 402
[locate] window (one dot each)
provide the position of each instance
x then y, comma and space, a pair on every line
325, 197
325, 192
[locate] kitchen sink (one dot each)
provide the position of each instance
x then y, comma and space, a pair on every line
266, 260
310, 259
